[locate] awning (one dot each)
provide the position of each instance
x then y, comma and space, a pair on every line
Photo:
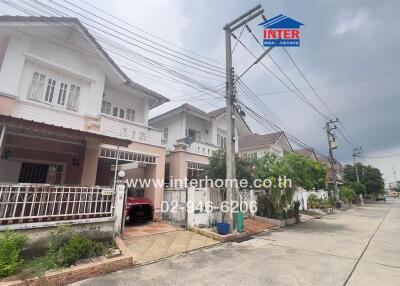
110, 152
33, 127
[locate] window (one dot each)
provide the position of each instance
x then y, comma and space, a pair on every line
115, 111
130, 114
105, 107
73, 97
36, 89
121, 113
254, 155
62, 94
165, 135
51, 83
221, 141
194, 133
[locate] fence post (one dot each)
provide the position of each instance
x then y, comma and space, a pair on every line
191, 202
119, 207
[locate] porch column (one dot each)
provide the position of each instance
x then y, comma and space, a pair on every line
2, 138
90, 163
156, 192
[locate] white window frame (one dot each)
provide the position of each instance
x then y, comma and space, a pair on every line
130, 114
106, 107
49, 94
73, 97
36, 88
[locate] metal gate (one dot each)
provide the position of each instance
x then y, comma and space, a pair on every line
173, 206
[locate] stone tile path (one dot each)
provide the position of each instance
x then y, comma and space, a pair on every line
155, 241
148, 228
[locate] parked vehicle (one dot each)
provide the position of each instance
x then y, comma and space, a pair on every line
138, 208
381, 198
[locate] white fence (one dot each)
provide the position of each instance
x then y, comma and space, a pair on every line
30, 203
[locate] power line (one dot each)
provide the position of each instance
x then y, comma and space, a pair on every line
146, 32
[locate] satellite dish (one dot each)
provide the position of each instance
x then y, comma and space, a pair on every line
188, 140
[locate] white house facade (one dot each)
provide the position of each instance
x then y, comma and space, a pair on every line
67, 111
206, 132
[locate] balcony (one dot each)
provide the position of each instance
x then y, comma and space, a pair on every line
124, 129
202, 148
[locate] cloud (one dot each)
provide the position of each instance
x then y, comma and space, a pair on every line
352, 22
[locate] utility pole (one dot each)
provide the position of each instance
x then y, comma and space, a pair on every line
231, 190
329, 126
356, 153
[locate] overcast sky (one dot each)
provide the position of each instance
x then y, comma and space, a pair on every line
349, 52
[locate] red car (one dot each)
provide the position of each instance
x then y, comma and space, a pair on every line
138, 208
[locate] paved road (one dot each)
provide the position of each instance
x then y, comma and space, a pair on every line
356, 247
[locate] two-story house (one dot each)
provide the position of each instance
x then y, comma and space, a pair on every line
256, 146
339, 169
68, 113
206, 132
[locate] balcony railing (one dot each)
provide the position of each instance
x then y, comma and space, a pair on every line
121, 128
202, 148
22, 203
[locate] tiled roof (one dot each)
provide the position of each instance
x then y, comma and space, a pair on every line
308, 152
255, 140
129, 82
53, 130
216, 113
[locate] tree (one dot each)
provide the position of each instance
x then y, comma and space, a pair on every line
302, 171
370, 177
217, 167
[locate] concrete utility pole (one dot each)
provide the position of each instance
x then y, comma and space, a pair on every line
330, 125
231, 190
356, 153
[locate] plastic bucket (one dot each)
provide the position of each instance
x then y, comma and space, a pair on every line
223, 228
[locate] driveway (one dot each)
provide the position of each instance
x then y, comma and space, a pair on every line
357, 247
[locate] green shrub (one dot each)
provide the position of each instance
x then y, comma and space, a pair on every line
11, 246
78, 247
59, 238
347, 194
312, 201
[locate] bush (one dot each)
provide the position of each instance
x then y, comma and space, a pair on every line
347, 194
59, 238
78, 247
11, 246
312, 201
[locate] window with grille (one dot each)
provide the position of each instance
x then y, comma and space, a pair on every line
105, 107
221, 141
36, 89
193, 133
73, 97
62, 94
130, 114
165, 135
115, 111
121, 113
51, 83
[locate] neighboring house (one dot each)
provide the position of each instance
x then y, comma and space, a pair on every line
207, 131
338, 170
256, 146
67, 110
307, 152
